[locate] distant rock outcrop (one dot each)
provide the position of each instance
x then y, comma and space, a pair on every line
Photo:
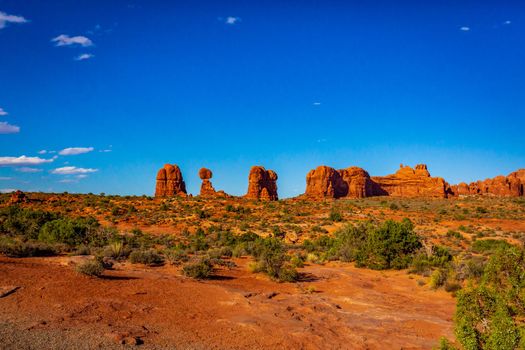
504, 186
355, 182
18, 197
327, 182
409, 182
262, 184
170, 182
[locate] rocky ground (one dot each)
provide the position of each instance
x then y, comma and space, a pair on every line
335, 306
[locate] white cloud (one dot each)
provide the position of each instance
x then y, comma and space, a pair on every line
232, 20
4, 178
317, 103
6, 128
84, 56
42, 151
23, 160
66, 40
67, 181
72, 170
5, 18
28, 170
81, 176
507, 22
464, 29
72, 151
7, 190
105, 150
2, 112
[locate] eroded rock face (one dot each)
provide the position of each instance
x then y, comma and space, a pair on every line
170, 182
355, 182
262, 184
327, 182
505, 186
409, 182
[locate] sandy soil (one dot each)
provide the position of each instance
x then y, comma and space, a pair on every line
336, 306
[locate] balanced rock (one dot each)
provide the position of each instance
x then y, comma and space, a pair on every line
207, 189
170, 182
409, 182
262, 184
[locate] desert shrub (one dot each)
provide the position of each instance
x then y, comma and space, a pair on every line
488, 316
438, 278
335, 215
297, 260
116, 250
147, 257
83, 250
390, 245
272, 260
176, 256
454, 234
444, 344
18, 249
439, 257
68, 231
16, 221
200, 269
91, 268
394, 206
489, 245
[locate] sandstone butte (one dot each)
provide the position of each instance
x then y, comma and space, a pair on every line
512, 185
262, 184
407, 182
170, 182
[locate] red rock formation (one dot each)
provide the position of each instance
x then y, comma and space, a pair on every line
506, 186
18, 197
262, 184
326, 182
170, 182
408, 182
207, 189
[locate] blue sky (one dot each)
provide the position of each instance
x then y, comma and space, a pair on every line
122, 87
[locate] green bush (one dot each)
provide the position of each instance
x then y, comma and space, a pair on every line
271, 259
16, 221
489, 245
201, 269
335, 215
488, 315
392, 245
176, 256
147, 257
438, 278
91, 268
69, 231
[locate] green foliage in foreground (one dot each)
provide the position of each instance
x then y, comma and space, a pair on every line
390, 245
491, 314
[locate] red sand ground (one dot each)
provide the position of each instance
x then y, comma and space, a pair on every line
338, 307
